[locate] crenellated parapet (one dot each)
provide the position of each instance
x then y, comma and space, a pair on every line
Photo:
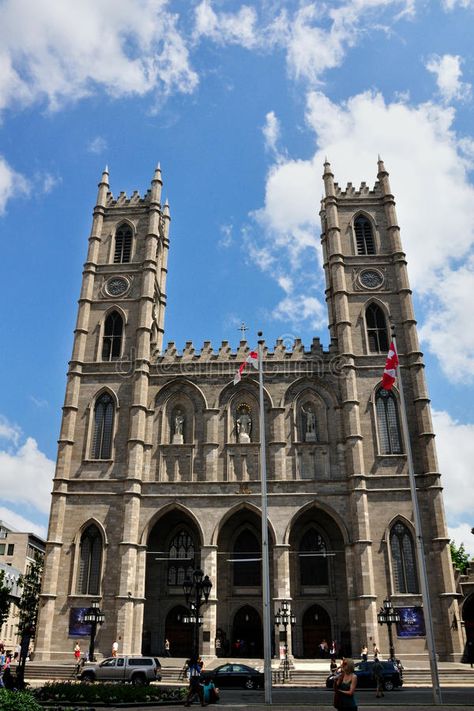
363, 191
224, 353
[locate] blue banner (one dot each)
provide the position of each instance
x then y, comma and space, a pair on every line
412, 622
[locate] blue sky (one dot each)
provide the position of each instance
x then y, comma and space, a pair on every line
240, 104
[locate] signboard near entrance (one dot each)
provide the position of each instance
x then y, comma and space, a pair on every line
412, 622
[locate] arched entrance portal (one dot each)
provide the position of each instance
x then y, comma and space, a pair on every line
316, 628
468, 619
179, 635
247, 632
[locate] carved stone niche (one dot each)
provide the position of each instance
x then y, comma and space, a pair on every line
243, 423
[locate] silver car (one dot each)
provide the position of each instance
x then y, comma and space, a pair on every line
135, 669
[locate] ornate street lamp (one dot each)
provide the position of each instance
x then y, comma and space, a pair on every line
196, 592
285, 617
389, 616
94, 617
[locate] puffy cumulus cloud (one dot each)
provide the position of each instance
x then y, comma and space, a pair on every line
9, 431
97, 145
461, 533
298, 308
225, 27
62, 50
20, 523
447, 70
12, 184
25, 472
455, 447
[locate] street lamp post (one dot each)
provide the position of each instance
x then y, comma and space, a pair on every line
196, 592
388, 615
284, 617
94, 617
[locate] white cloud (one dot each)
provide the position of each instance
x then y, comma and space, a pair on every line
12, 184
97, 145
226, 239
226, 28
462, 534
299, 308
25, 472
452, 4
455, 447
447, 70
20, 523
49, 182
435, 199
8, 431
271, 132
61, 50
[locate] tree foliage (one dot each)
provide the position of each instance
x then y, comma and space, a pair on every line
29, 601
459, 556
4, 599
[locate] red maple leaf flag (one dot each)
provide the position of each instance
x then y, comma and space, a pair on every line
251, 359
390, 372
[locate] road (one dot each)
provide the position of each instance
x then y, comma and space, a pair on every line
292, 699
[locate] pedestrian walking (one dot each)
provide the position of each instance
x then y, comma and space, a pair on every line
344, 688
77, 652
376, 651
364, 653
195, 686
114, 649
378, 676
167, 648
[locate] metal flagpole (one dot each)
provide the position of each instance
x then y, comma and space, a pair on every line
267, 615
419, 542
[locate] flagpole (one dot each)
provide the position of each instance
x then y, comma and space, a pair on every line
419, 542
267, 613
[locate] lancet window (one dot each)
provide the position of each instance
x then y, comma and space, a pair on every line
364, 235
377, 334
313, 559
112, 339
403, 559
388, 423
181, 557
123, 244
90, 561
248, 572
104, 412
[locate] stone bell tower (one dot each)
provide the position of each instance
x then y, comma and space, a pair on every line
99, 469
367, 292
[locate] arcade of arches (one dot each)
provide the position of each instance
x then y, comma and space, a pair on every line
316, 587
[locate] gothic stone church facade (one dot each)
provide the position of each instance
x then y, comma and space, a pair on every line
158, 461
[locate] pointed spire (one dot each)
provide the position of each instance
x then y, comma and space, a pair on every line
157, 175
381, 166
103, 188
166, 209
105, 175
328, 178
156, 185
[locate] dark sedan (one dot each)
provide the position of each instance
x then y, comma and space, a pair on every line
364, 672
235, 676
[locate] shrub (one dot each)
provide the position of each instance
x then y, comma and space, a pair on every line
18, 701
106, 693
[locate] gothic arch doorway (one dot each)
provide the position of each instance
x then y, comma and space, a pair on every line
316, 628
179, 635
247, 633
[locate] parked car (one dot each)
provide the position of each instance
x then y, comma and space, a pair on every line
135, 669
392, 676
235, 675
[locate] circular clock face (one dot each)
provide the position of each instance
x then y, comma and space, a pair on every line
371, 279
117, 286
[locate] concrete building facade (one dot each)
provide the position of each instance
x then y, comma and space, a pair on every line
158, 459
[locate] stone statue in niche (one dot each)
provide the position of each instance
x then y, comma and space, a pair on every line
178, 427
309, 421
243, 424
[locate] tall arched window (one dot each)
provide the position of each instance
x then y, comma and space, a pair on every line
364, 235
313, 560
403, 559
123, 244
90, 560
247, 548
388, 424
112, 340
181, 555
377, 334
103, 427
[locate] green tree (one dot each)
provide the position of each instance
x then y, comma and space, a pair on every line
5, 599
459, 556
29, 601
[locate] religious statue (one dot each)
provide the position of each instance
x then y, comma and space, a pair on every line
310, 420
178, 427
244, 424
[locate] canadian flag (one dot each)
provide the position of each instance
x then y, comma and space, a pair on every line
390, 372
252, 359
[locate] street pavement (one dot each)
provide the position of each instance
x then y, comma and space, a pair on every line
292, 699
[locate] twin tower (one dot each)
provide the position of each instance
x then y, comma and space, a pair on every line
158, 461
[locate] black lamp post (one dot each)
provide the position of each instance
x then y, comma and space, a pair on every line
94, 617
196, 592
389, 616
284, 617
